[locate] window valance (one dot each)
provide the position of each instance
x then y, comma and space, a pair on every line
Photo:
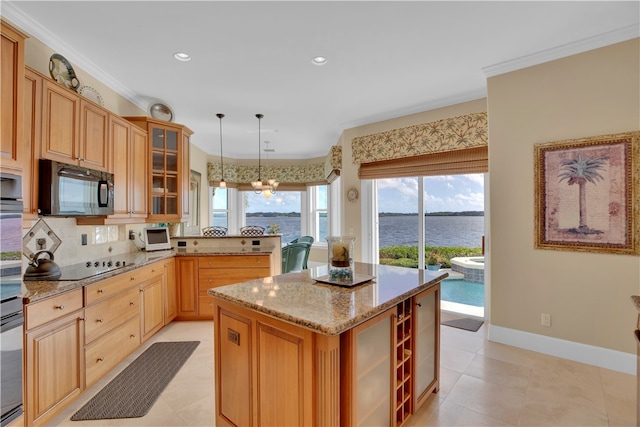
291, 176
451, 134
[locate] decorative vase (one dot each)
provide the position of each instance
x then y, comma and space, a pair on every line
340, 258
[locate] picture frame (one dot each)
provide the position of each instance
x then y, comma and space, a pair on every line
586, 194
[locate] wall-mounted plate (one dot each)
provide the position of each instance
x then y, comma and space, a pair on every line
161, 112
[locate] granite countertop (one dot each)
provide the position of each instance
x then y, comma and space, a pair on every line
328, 309
40, 289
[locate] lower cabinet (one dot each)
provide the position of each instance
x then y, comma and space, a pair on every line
196, 275
170, 291
54, 356
73, 339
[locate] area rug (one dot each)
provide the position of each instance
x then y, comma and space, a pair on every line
134, 391
465, 323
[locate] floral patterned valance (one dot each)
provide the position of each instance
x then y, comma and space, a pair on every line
435, 137
294, 173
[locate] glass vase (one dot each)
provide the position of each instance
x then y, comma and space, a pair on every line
340, 254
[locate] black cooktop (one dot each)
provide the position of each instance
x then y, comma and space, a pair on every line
88, 269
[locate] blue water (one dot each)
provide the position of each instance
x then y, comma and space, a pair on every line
462, 292
466, 231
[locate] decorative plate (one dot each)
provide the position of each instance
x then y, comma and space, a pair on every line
62, 72
352, 194
161, 112
91, 94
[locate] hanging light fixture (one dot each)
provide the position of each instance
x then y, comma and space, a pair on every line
268, 188
223, 184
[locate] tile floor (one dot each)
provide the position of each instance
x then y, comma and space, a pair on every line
482, 384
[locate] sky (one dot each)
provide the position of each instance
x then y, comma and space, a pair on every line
451, 193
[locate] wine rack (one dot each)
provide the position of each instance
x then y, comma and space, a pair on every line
403, 368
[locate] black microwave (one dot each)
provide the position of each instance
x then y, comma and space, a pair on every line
71, 190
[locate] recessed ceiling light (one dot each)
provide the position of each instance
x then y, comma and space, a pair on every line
181, 56
319, 60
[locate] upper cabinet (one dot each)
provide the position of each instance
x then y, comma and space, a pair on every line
75, 130
11, 86
168, 169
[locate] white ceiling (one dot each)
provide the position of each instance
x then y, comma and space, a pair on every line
385, 59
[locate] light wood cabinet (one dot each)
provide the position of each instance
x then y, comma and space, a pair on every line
426, 353
199, 274
11, 86
170, 291
168, 163
129, 159
29, 148
185, 171
75, 130
54, 356
152, 305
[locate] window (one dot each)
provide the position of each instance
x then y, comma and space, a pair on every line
279, 214
318, 212
219, 207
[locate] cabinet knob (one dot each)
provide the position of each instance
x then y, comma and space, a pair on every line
58, 307
132, 303
153, 270
101, 291
132, 336
100, 359
100, 320
419, 304
132, 278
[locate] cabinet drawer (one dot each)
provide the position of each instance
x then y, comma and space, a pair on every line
106, 288
113, 348
103, 317
148, 271
212, 277
205, 306
52, 308
238, 261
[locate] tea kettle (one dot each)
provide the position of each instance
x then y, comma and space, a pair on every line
42, 268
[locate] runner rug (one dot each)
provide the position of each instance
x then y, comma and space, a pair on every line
134, 391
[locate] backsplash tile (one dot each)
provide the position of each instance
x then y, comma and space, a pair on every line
40, 237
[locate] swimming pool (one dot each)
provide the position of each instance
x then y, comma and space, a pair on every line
462, 292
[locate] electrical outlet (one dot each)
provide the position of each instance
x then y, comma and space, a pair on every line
545, 320
132, 235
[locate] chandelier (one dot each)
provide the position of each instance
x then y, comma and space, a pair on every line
223, 184
269, 187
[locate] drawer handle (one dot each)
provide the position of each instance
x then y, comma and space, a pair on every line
132, 278
100, 320
132, 336
132, 303
153, 270
100, 359
101, 291
58, 307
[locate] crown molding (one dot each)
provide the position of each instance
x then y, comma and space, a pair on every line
573, 48
14, 15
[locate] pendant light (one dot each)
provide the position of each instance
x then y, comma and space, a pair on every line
223, 184
268, 188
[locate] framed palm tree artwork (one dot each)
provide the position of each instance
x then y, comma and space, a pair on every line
587, 194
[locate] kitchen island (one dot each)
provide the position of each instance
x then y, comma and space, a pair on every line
290, 350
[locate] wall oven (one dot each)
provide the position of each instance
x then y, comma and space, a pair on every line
11, 314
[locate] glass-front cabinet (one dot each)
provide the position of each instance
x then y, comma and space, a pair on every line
169, 165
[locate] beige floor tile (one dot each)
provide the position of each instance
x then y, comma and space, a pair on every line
493, 400
455, 359
461, 339
499, 372
551, 414
451, 414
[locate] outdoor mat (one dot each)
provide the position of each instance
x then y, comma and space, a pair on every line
134, 391
465, 323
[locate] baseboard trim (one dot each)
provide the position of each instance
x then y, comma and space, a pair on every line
584, 353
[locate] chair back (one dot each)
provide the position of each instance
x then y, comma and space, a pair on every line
295, 256
303, 239
252, 230
215, 231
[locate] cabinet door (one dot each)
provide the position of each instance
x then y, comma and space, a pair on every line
61, 117
186, 179
11, 84
54, 373
367, 350
138, 174
94, 131
29, 148
170, 291
165, 145
187, 277
152, 307
427, 344
120, 131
